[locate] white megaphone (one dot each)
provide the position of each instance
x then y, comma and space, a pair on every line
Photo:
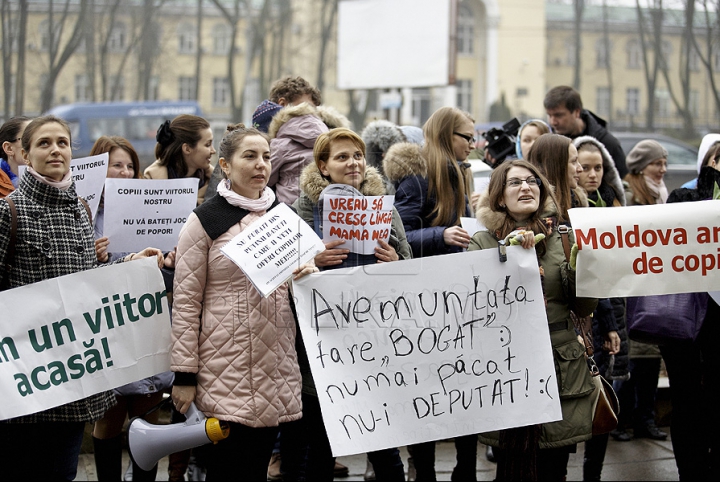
148, 443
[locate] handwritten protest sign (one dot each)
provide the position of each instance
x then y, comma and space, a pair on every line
271, 247
471, 225
147, 212
647, 250
359, 221
80, 334
461, 348
89, 175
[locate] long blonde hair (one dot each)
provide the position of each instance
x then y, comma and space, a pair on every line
440, 157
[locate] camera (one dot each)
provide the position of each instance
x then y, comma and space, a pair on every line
501, 142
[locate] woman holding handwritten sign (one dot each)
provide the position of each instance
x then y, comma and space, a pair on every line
519, 201
54, 238
339, 168
233, 351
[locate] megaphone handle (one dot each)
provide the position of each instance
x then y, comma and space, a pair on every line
193, 415
164, 401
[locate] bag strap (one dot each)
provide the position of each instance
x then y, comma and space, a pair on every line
564, 230
10, 252
87, 208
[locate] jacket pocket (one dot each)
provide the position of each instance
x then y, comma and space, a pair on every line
574, 379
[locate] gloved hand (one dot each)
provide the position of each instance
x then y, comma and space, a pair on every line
573, 256
517, 237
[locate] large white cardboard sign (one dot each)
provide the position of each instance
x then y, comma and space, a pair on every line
67, 338
271, 247
459, 347
89, 175
647, 250
360, 221
147, 212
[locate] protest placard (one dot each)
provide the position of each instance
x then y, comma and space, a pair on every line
271, 247
360, 221
647, 250
147, 212
89, 175
67, 338
462, 347
471, 225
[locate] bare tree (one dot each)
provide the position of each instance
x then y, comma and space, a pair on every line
579, 6
712, 35
651, 72
328, 18
149, 47
14, 38
607, 45
198, 50
59, 55
359, 106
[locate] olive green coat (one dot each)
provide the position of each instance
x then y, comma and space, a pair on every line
575, 384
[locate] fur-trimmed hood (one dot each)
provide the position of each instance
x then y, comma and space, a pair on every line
402, 160
332, 117
313, 183
611, 176
287, 113
493, 220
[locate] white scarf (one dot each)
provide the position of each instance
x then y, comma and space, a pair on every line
263, 203
62, 184
658, 189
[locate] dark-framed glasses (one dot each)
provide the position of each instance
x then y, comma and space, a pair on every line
515, 182
468, 138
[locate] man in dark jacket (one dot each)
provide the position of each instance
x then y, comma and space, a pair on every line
566, 116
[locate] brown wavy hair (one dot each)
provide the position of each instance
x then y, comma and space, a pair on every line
496, 194
109, 143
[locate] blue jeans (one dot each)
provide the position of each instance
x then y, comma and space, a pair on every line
40, 451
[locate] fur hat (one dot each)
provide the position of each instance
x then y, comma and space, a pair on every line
644, 153
263, 115
378, 136
413, 134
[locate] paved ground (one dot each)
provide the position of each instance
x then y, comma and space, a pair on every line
641, 459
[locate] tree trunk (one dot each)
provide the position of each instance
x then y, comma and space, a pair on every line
608, 60
198, 54
327, 22
577, 71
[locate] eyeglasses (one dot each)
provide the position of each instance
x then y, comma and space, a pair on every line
515, 182
468, 138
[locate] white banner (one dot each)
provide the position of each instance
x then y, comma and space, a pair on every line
271, 247
359, 221
647, 250
67, 338
147, 212
89, 174
428, 349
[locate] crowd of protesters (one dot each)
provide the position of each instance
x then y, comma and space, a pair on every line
240, 357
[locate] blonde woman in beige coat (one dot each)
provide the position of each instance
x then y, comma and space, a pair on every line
233, 351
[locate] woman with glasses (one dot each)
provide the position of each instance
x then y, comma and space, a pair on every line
519, 199
432, 186
10, 137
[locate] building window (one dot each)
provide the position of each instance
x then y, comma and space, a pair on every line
694, 61
633, 102
464, 95
465, 29
221, 39
603, 101
187, 35
221, 92
117, 40
570, 49
186, 88
666, 53
634, 55
44, 32
694, 103
82, 88
716, 60
602, 55
421, 104
154, 89
117, 86
662, 103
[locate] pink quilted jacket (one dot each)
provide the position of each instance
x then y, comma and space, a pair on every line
240, 346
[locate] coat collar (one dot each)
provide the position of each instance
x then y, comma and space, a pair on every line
312, 183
